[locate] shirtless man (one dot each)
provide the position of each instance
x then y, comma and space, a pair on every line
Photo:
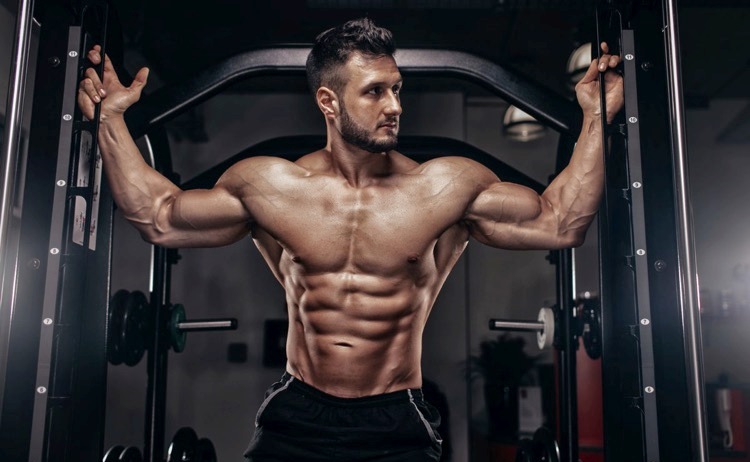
360, 237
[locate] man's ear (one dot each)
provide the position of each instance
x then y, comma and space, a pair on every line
327, 101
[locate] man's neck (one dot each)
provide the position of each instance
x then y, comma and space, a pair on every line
357, 166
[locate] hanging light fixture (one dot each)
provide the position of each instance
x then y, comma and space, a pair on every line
578, 63
520, 126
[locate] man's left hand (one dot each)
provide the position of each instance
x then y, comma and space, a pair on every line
587, 90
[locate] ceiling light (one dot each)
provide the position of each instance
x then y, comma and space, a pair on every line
520, 126
578, 63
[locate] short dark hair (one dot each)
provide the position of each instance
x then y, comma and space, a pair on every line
333, 48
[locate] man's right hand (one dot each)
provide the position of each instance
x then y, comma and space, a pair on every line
114, 96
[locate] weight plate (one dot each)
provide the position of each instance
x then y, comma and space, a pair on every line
177, 338
182, 448
114, 326
592, 331
546, 338
131, 454
133, 332
205, 451
546, 446
113, 454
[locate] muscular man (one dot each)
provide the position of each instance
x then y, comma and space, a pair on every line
360, 237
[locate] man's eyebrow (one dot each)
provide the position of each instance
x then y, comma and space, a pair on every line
379, 83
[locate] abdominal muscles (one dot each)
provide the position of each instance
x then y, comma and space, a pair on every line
355, 335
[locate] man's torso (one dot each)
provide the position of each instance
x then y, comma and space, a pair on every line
361, 265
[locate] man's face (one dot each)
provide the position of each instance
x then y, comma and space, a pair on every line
370, 104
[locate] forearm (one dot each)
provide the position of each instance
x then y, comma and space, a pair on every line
138, 190
577, 191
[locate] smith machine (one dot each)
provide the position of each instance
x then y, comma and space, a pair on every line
56, 338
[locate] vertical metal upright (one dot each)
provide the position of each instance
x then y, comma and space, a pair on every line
162, 260
652, 372
55, 383
566, 357
566, 340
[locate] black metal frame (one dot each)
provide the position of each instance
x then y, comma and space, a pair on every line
54, 368
54, 398
547, 106
646, 368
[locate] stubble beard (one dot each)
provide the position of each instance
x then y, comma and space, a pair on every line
357, 135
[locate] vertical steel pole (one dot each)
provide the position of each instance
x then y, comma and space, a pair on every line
688, 288
567, 359
10, 155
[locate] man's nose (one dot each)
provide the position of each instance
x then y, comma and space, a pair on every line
393, 105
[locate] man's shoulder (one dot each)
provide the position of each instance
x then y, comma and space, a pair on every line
262, 174
455, 167
265, 166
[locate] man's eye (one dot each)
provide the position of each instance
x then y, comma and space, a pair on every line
375, 91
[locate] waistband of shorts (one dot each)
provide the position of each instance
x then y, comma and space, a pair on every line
400, 396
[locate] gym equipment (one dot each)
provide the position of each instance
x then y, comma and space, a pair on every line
542, 448
130, 327
113, 454
186, 446
587, 324
546, 446
179, 326
591, 327
122, 454
205, 451
526, 451
544, 327
127, 328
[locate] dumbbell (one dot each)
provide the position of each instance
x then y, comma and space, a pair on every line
187, 447
123, 454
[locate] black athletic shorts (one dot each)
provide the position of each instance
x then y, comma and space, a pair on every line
298, 423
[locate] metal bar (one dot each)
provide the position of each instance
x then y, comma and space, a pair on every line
55, 255
546, 105
516, 326
567, 359
10, 155
688, 287
640, 245
207, 324
158, 351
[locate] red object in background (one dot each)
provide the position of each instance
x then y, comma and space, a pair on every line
590, 410
590, 417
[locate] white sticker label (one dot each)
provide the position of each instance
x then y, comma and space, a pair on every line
95, 200
79, 220
84, 160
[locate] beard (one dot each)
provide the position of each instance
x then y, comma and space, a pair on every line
355, 134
